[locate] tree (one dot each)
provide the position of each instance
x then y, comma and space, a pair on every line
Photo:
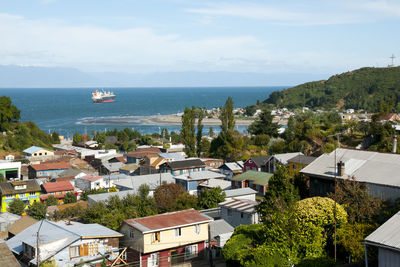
8, 113
210, 132
199, 135
360, 205
55, 137
16, 206
166, 196
264, 125
77, 138
188, 132
209, 198
69, 198
227, 121
37, 210
51, 201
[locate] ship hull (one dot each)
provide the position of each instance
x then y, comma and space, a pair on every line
103, 100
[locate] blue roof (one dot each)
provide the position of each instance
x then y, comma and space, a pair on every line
32, 149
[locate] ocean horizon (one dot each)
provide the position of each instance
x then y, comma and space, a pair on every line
70, 110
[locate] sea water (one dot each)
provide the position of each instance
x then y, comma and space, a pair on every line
70, 110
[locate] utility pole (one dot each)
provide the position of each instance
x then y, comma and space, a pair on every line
392, 57
37, 244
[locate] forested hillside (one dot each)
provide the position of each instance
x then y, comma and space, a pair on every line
364, 89
17, 136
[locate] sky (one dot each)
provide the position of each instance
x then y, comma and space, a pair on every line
132, 36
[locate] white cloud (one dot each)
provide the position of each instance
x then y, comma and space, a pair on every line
93, 48
277, 14
388, 8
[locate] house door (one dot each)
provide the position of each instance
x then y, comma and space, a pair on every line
174, 256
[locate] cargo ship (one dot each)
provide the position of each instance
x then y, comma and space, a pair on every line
103, 97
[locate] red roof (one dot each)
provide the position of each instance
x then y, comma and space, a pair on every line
91, 178
168, 220
121, 159
58, 186
51, 166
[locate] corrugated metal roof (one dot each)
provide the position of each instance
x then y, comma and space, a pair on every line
185, 164
58, 186
51, 166
32, 149
106, 196
301, 159
168, 220
202, 175
365, 166
240, 192
244, 205
387, 235
211, 183
152, 180
8, 187
219, 227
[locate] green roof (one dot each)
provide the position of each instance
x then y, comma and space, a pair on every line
260, 178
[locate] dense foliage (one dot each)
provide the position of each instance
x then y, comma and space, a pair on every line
16, 206
37, 210
209, 198
364, 89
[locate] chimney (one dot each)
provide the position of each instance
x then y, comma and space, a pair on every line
340, 168
394, 144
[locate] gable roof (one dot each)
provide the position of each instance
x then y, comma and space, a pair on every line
172, 155
233, 166
57, 186
366, 166
51, 166
7, 188
259, 161
219, 227
91, 178
283, 158
260, 178
243, 205
152, 180
168, 220
387, 235
302, 159
32, 149
185, 164
21, 224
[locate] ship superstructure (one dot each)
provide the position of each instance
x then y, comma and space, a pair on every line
103, 96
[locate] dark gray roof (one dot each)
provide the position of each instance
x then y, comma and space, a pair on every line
260, 160
302, 159
184, 164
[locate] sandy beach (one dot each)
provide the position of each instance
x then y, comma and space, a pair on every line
176, 120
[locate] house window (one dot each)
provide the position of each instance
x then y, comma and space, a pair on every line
153, 260
197, 229
74, 251
229, 212
241, 215
191, 252
156, 237
131, 234
93, 249
45, 153
32, 194
178, 231
40, 154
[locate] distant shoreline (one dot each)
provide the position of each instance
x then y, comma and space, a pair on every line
176, 120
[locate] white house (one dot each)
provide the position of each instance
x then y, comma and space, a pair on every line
239, 212
90, 182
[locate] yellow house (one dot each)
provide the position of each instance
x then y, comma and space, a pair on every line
165, 239
299, 162
27, 191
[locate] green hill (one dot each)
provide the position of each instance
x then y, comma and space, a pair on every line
17, 136
364, 89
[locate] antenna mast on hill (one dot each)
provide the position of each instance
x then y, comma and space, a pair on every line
392, 57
